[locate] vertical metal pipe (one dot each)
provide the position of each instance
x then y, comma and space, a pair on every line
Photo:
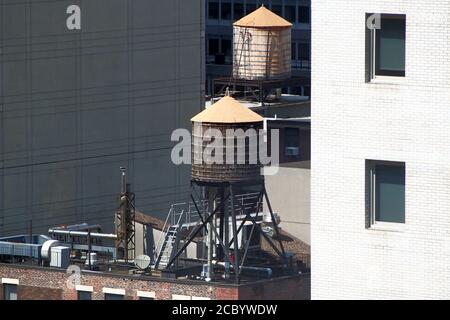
213, 234
205, 213
31, 237
89, 248
209, 238
235, 237
226, 228
123, 221
123, 179
221, 223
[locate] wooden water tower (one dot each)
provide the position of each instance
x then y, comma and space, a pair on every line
226, 115
262, 46
220, 183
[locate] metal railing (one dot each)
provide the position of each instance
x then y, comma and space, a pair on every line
185, 215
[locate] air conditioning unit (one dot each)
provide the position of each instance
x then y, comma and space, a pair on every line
59, 257
292, 151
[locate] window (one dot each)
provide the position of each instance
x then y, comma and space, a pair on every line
289, 13
293, 51
113, 296
303, 14
213, 46
296, 91
10, 291
292, 137
84, 292
238, 10
291, 140
386, 186
250, 7
226, 11
386, 45
226, 47
213, 10
277, 9
307, 91
84, 295
303, 51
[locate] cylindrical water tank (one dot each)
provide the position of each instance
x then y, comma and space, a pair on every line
262, 46
225, 143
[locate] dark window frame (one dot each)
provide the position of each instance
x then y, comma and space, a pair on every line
304, 15
115, 296
250, 7
214, 3
80, 293
294, 51
294, 11
7, 291
277, 8
292, 137
373, 47
372, 192
238, 10
307, 49
227, 14
223, 49
210, 53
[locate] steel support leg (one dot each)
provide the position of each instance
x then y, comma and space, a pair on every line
235, 237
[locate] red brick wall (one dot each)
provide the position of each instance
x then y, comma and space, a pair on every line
288, 288
227, 294
38, 293
33, 280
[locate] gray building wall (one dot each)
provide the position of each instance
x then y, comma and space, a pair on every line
289, 194
75, 105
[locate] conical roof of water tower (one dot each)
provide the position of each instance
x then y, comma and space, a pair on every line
263, 18
227, 110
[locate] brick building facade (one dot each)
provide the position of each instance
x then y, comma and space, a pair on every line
37, 283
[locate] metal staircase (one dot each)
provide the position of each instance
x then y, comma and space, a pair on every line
184, 217
181, 217
171, 240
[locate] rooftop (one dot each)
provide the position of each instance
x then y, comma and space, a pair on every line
286, 108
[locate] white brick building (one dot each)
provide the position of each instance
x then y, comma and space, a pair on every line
404, 119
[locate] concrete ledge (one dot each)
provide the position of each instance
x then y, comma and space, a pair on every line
79, 287
10, 281
146, 294
200, 298
180, 297
114, 291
